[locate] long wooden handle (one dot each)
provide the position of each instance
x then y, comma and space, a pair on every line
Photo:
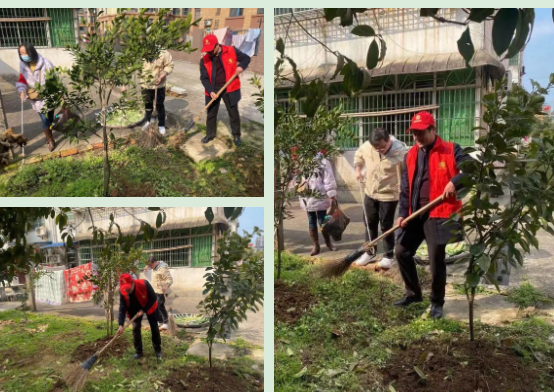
419, 212
216, 97
117, 335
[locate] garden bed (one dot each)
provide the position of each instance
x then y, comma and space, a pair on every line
291, 301
203, 379
88, 349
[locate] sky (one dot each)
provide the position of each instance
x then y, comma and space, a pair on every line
537, 58
251, 216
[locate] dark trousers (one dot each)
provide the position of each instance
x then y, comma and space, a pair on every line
211, 123
380, 212
156, 338
410, 238
161, 307
314, 217
148, 97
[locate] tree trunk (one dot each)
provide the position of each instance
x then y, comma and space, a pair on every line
471, 315
280, 245
106, 160
210, 352
31, 288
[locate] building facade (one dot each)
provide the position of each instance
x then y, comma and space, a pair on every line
422, 70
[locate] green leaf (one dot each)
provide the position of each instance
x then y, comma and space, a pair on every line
209, 214
420, 373
465, 46
340, 64
228, 212
348, 18
383, 48
484, 262
391, 388
69, 241
476, 249
280, 46
363, 30
331, 13
372, 55
503, 28
480, 14
473, 279
526, 19
159, 220
301, 373
153, 208
428, 11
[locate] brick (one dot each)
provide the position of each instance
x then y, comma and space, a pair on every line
52, 155
68, 152
98, 146
86, 148
34, 159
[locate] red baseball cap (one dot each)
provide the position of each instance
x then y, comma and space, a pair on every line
125, 281
210, 41
421, 121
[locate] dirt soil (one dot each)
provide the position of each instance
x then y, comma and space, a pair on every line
86, 350
291, 301
462, 366
201, 379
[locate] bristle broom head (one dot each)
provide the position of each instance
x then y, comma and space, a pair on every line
76, 378
336, 268
89, 363
172, 326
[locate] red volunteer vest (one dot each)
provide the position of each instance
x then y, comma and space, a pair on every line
442, 167
229, 60
142, 296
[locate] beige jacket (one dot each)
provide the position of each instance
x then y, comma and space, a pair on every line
382, 173
161, 277
164, 63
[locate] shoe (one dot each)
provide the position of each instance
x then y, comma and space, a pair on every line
436, 312
207, 139
328, 242
365, 259
386, 263
50, 139
315, 241
408, 301
164, 326
159, 356
146, 125
237, 141
137, 356
162, 130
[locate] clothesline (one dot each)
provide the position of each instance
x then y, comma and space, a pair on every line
387, 112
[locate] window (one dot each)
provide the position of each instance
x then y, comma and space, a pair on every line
236, 12
218, 12
197, 13
216, 25
176, 11
260, 11
37, 223
185, 11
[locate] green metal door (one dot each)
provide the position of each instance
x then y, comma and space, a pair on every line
62, 27
456, 118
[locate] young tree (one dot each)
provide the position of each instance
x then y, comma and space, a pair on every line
231, 290
109, 58
504, 212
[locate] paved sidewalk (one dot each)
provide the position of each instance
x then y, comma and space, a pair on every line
180, 110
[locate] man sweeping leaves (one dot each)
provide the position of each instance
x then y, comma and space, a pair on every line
137, 295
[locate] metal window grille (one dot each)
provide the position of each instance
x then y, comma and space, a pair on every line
260, 11
185, 11
514, 60
218, 12
197, 13
42, 27
216, 25
284, 11
236, 12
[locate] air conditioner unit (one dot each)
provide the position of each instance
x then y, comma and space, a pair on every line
508, 76
55, 259
207, 22
41, 231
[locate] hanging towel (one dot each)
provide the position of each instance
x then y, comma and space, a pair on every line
220, 34
228, 38
50, 288
249, 44
79, 290
238, 39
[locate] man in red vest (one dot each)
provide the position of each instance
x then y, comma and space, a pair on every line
432, 169
138, 296
218, 64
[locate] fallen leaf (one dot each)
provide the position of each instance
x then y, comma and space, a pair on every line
290, 310
391, 388
301, 373
334, 372
420, 373
290, 353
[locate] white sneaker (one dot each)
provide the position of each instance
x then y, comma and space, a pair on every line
364, 259
146, 125
162, 130
164, 326
386, 263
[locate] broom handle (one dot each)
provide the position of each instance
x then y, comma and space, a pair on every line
116, 335
156, 93
419, 212
219, 92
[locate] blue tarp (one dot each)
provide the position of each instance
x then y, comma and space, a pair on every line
55, 245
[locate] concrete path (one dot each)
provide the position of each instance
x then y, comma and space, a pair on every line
538, 269
180, 110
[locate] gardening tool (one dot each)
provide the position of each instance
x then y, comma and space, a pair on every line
336, 268
373, 250
77, 377
197, 117
22, 147
172, 325
154, 137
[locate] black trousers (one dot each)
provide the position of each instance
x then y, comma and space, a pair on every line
380, 212
148, 97
410, 238
156, 338
211, 123
161, 307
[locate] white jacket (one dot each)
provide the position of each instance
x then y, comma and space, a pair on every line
322, 181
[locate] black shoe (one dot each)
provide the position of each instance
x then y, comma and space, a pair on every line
159, 356
237, 141
436, 312
207, 139
137, 356
408, 301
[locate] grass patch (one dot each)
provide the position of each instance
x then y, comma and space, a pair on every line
351, 334
163, 172
527, 295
